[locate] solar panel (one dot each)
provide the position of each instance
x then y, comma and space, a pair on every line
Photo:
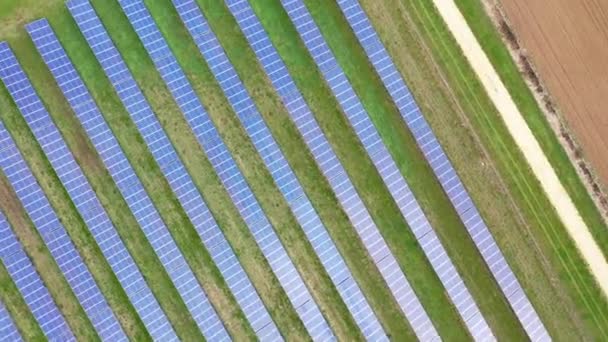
121, 170
31, 287
280, 170
177, 176
39, 209
389, 172
316, 141
443, 169
8, 330
225, 166
80, 190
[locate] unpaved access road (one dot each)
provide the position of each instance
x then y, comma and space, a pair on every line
525, 140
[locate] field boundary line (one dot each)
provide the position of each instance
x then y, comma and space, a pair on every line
525, 140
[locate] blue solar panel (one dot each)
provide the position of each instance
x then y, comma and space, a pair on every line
80, 190
39, 209
280, 170
31, 287
226, 168
443, 169
331, 167
177, 176
389, 172
8, 330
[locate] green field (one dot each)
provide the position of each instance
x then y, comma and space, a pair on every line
508, 196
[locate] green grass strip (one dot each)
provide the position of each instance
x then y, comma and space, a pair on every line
44, 263
18, 309
497, 52
585, 312
302, 162
50, 183
255, 172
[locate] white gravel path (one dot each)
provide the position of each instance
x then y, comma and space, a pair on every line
526, 141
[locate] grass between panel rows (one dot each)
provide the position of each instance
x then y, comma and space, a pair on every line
302, 162
423, 183
361, 170
159, 190
17, 308
420, 176
498, 54
175, 218
254, 171
124, 221
60, 200
592, 306
12, 17
359, 167
540, 252
37, 251
199, 167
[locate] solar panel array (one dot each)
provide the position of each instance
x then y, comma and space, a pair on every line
31, 287
280, 170
80, 190
224, 165
443, 169
326, 158
211, 233
166, 157
39, 209
389, 172
399, 189
8, 330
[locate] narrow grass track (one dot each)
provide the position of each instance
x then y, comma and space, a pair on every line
35, 248
303, 164
498, 54
253, 169
18, 309
538, 252
467, 153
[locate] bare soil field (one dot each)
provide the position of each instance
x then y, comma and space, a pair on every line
568, 44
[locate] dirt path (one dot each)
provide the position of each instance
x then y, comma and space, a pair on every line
525, 140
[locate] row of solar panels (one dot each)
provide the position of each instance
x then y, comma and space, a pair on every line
184, 189
443, 169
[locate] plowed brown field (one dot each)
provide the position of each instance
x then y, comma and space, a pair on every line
568, 43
